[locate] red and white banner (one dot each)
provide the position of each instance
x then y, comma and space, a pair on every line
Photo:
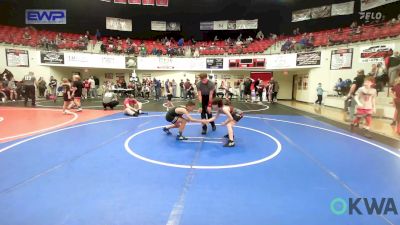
120, 1
135, 2
147, 2
162, 3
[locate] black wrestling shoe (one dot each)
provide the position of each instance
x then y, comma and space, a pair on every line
181, 138
214, 128
229, 144
166, 130
204, 131
227, 136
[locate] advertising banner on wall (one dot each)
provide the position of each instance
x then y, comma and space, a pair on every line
173, 26
162, 3
52, 58
375, 53
118, 24
17, 58
246, 24
131, 62
284, 61
159, 25
341, 59
340, 9
301, 15
147, 2
321, 12
308, 59
215, 63
135, 2
166, 63
370, 4
72, 59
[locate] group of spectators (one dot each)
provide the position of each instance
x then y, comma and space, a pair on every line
306, 42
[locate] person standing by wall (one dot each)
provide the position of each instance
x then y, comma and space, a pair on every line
275, 90
187, 86
247, 89
52, 85
357, 83
182, 89
13, 89
206, 91
320, 93
396, 100
173, 83
41, 87
93, 91
77, 87
29, 82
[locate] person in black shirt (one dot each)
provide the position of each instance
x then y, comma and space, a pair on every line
77, 87
29, 82
179, 116
357, 83
206, 92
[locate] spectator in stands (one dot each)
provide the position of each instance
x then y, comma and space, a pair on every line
396, 100
286, 46
273, 36
181, 42
260, 35
338, 87
143, 50
216, 38
119, 48
26, 35
340, 30
353, 27
132, 48
87, 36
239, 43
239, 38
128, 41
44, 42
103, 47
196, 53
249, 40
12, 87
93, 91
359, 30
110, 40
98, 35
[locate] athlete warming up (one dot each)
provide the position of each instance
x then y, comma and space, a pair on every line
206, 89
233, 116
132, 106
179, 116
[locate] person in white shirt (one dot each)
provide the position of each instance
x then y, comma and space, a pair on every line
93, 91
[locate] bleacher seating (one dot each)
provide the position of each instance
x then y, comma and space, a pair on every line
14, 35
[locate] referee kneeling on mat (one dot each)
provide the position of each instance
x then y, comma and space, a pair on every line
206, 91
